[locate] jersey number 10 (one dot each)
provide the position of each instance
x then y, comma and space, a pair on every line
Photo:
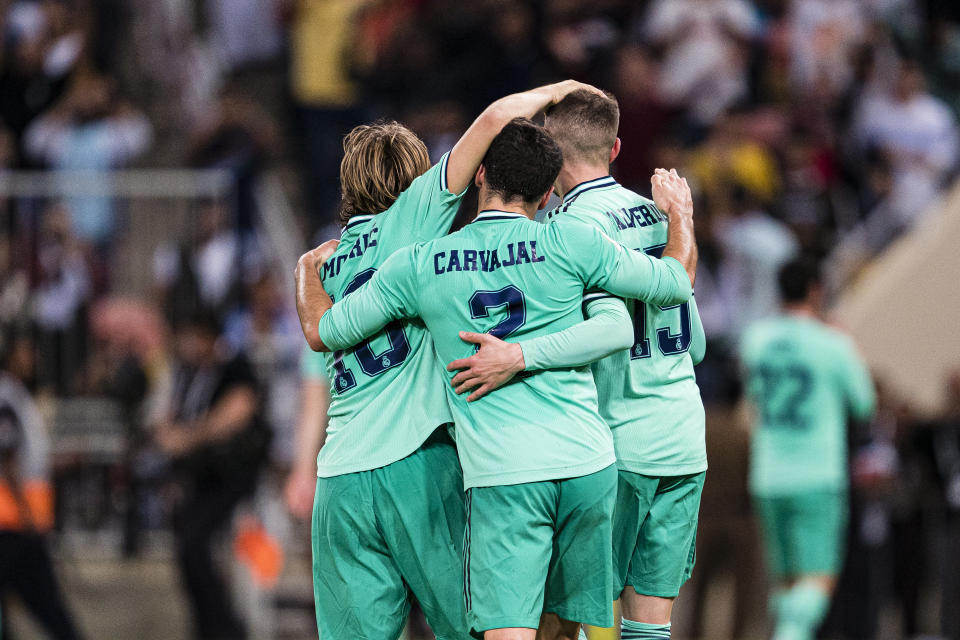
370, 363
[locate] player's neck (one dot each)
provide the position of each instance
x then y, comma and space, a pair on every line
573, 174
494, 203
802, 310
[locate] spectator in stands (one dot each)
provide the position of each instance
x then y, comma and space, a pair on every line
239, 136
40, 52
90, 129
324, 96
26, 503
61, 291
202, 271
266, 328
214, 432
705, 64
918, 135
755, 246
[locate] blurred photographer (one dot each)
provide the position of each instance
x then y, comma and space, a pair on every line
26, 503
214, 432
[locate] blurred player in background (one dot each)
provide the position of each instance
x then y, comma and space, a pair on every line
648, 393
805, 380
311, 431
387, 446
537, 458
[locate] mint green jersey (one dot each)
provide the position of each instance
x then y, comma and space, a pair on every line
386, 392
512, 277
313, 366
805, 380
648, 394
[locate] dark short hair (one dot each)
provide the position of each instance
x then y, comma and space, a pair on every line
797, 278
522, 162
585, 125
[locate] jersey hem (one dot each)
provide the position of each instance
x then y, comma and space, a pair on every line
539, 475
332, 471
662, 468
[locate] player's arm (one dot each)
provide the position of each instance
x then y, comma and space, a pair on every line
671, 194
468, 153
606, 331
310, 433
390, 294
698, 338
312, 298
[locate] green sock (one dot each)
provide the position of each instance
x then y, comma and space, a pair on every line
631, 630
800, 612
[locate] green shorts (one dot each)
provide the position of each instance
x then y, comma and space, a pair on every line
804, 533
655, 532
540, 547
380, 535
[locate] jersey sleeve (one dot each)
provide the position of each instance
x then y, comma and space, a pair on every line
390, 294
698, 340
606, 331
604, 263
856, 381
313, 366
425, 210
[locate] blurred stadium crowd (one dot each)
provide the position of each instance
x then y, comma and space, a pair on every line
825, 127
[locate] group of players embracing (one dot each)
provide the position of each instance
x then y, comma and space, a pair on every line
515, 437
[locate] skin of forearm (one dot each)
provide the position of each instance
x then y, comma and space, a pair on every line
229, 415
312, 301
312, 425
682, 244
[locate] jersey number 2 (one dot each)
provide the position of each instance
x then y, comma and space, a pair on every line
511, 298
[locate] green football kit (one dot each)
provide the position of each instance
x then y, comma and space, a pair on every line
805, 380
388, 514
648, 395
313, 365
535, 451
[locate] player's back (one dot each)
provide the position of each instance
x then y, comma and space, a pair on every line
648, 394
386, 395
509, 276
805, 380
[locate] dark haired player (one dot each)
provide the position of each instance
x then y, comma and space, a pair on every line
537, 459
648, 393
383, 451
805, 380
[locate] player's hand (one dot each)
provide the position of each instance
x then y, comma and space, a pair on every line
317, 256
566, 87
489, 368
671, 193
298, 492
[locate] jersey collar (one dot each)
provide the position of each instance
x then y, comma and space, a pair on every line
596, 183
355, 221
489, 215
